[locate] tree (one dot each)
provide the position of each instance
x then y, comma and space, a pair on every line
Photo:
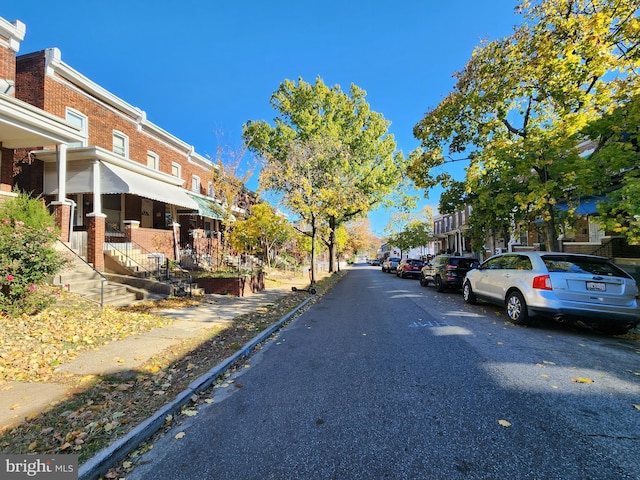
359, 168
618, 155
407, 231
520, 105
264, 231
360, 238
228, 183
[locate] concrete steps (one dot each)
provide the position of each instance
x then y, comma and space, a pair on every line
79, 277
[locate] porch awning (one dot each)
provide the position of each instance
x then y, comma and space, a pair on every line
115, 179
207, 208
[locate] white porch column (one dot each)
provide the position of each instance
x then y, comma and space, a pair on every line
97, 189
61, 163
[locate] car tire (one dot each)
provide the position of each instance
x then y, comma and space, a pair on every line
517, 308
439, 284
424, 282
467, 294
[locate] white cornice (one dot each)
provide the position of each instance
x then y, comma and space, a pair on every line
13, 32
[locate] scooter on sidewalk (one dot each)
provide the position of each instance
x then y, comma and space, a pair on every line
311, 289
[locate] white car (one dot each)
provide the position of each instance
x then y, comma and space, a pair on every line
563, 286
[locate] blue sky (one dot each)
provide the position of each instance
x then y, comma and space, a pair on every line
200, 69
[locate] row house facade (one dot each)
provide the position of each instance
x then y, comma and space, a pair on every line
102, 167
449, 232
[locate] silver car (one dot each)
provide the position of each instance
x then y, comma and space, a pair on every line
562, 286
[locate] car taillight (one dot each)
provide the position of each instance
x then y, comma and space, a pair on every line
451, 267
543, 282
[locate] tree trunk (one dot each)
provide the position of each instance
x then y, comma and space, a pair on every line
312, 268
551, 231
332, 244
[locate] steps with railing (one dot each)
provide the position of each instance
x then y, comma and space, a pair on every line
80, 277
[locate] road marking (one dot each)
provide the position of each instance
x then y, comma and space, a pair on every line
429, 324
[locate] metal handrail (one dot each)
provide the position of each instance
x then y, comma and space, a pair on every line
141, 261
103, 279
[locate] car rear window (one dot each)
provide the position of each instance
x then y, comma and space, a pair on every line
463, 262
574, 264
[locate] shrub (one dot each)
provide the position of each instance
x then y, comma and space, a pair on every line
27, 256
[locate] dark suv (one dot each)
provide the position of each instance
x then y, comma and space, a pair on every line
446, 271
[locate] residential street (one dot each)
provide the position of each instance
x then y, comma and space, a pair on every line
384, 379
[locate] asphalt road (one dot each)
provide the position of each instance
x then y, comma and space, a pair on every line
384, 379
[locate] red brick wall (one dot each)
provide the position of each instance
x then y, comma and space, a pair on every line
29, 79
160, 241
7, 64
6, 169
95, 247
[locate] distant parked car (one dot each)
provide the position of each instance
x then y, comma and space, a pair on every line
562, 286
409, 267
375, 262
446, 271
390, 264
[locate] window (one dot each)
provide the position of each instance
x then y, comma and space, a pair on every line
176, 171
79, 120
120, 144
195, 183
153, 160
210, 190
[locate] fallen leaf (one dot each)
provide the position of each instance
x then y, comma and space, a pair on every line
179, 435
582, 380
504, 423
190, 412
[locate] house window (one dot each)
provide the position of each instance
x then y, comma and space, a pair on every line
153, 160
195, 184
79, 120
120, 144
176, 170
210, 190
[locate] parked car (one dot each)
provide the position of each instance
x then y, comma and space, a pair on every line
390, 264
563, 286
409, 267
375, 262
446, 271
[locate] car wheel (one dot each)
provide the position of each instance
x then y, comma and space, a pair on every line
423, 281
517, 308
467, 294
439, 284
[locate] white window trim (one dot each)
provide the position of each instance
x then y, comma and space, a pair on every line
178, 167
84, 124
195, 183
125, 138
156, 160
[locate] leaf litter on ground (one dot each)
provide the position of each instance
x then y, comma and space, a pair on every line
104, 408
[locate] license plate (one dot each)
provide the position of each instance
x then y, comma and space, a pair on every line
597, 286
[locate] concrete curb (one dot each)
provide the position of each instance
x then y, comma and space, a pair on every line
118, 450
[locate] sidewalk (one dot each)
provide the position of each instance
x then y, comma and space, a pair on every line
20, 400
